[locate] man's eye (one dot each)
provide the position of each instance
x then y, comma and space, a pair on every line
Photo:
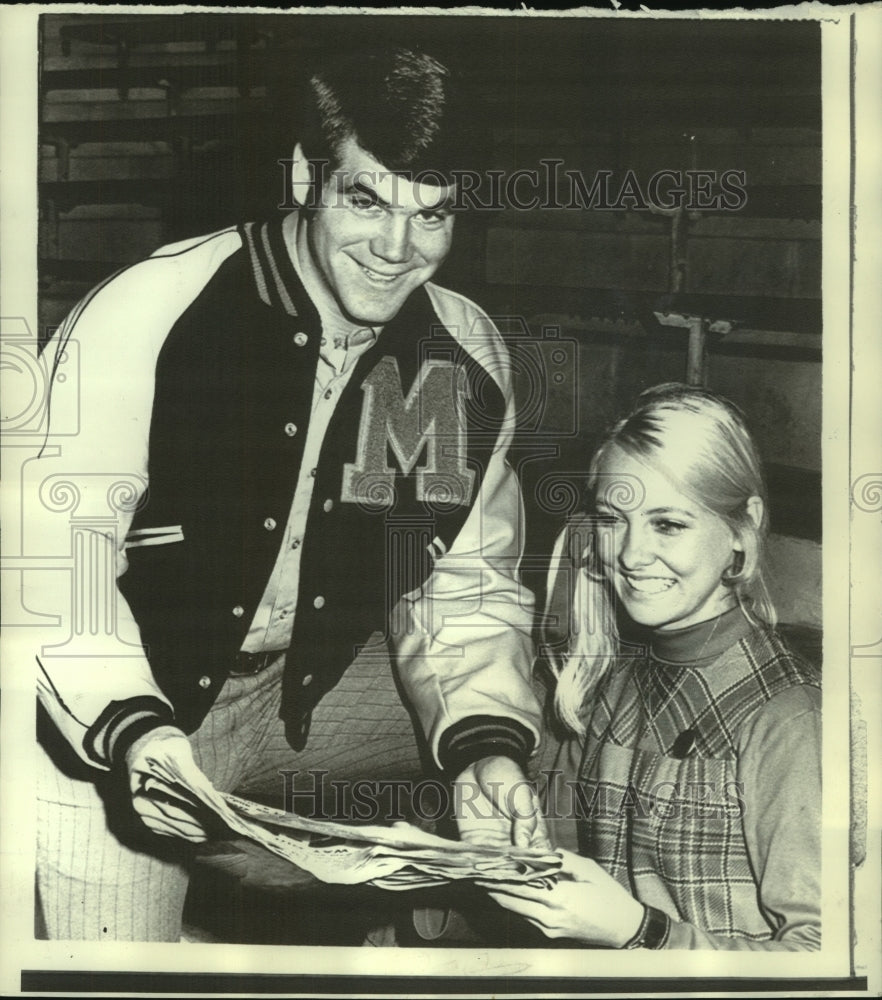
432, 220
363, 203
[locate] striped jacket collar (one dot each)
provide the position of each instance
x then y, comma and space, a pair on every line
282, 283
277, 283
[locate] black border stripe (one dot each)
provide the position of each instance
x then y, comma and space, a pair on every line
153, 983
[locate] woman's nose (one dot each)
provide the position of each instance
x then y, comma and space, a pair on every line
392, 243
635, 547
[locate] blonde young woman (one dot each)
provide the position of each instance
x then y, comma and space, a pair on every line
693, 770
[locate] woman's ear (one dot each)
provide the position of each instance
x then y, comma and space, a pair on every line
755, 511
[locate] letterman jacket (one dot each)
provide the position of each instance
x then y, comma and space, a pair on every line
195, 365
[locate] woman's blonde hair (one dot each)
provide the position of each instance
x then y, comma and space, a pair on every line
700, 442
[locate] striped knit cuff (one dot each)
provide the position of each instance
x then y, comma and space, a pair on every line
108, 738
480, 736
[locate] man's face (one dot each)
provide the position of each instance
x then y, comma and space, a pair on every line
376, 236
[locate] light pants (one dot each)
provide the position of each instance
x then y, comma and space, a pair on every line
130, 885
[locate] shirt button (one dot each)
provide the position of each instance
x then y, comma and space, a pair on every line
238, 611
295, 544
205, 682
312, 472
269, 524
329, 393
300, 339
318, 603
307, 680
328, 506
290, 430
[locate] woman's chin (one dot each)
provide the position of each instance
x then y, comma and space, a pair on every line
648, 611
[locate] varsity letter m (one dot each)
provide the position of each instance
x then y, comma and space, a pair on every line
430, 419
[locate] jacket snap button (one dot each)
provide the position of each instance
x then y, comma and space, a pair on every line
290, 430
300, 339
319, 602
328, 506
238, 611
307, 680
204, 682
269, 524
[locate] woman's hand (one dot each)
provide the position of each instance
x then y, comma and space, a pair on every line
585, 904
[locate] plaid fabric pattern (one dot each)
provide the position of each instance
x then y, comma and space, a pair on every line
660, 774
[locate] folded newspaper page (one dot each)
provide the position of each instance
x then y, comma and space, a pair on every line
398, 857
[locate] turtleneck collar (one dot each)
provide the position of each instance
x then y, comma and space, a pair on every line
700, 643
694, 645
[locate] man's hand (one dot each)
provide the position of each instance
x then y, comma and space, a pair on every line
585, 904
162, 808
494, 804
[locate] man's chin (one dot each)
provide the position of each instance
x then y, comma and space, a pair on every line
372, 314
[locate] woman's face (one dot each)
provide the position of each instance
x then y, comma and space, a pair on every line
665, 553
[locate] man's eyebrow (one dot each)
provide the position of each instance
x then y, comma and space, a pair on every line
443, 204
361, 188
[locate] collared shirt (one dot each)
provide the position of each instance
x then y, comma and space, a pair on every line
342, 344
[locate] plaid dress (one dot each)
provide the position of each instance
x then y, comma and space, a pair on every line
660, 787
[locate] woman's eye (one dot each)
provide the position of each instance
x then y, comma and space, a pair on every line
608, 520
670, 527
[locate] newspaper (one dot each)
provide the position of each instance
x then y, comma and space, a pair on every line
397, 857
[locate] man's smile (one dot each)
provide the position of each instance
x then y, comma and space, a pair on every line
377, 278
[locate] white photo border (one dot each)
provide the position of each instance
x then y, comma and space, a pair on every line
849, 962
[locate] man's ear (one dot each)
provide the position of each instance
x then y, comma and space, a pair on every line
301, 177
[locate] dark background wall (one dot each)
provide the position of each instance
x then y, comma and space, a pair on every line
158, 127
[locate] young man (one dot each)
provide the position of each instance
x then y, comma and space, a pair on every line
317, 438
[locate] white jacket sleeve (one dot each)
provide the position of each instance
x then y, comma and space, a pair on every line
81, 493
463, 642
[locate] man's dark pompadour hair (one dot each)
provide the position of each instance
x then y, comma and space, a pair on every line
402, 107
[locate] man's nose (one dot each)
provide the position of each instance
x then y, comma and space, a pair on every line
393, 242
